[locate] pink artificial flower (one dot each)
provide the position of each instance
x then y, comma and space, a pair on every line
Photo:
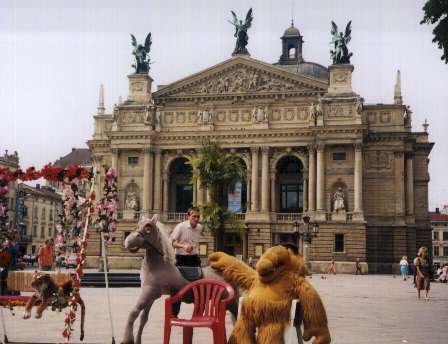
2, 210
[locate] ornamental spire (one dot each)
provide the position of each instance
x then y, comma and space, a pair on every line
101, 108
398, 99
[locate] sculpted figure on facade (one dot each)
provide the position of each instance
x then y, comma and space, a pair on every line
149, 116
316, 112
408, 116
358, 106
339, 200
131, 201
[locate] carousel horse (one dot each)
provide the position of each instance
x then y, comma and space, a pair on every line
49, 293
159, 275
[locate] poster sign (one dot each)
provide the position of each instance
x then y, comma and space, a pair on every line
234, 199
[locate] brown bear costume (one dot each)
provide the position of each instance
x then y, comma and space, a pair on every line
279, 278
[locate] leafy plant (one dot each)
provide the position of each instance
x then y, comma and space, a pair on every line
436, 12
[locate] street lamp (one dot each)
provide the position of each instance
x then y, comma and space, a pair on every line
307, 230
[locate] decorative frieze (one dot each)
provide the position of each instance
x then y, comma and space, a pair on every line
378, 160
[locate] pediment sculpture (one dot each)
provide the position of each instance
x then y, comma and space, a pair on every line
339, 200
241, 80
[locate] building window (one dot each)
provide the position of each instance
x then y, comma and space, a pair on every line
132, 160
339, 156
435, 251
339, 242
184, 197
36, 213
50, 215
445, 251
25, 211
43, 214
445, 236
435, 235
50, 234
290, 198
34, 231
42, 232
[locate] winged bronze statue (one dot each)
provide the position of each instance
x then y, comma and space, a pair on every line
241, 32
340, 54
141, 54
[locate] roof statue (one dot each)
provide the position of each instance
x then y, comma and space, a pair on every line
241, 32
141, 53
340, 54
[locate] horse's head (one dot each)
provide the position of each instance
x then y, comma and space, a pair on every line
145, 236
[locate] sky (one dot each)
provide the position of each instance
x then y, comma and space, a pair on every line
54, 54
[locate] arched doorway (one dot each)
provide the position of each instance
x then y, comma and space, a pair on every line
180, 187
289, 186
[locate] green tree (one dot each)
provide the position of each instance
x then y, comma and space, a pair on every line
217, 170
436, 12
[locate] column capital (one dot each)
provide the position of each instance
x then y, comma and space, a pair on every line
254, 149
114, 150
157, 150
398, 153
357, 146
273, 175
265, 150
320, 147
165, 176
311, 147
146, 150
409, 155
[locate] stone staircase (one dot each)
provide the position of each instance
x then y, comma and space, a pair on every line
116, 280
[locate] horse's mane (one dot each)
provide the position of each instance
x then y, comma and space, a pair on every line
165, 243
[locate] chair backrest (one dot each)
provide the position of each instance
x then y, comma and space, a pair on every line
210, 297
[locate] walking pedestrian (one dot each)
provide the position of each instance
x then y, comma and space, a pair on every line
423, 272
332, 267
45, 256
358, 267
404, 267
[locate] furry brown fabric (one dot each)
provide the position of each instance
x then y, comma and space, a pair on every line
47, 292
278, 279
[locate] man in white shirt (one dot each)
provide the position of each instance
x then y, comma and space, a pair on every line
185, 239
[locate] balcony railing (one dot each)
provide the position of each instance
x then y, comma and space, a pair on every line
239, 216
288, 217
176, 217
348, 217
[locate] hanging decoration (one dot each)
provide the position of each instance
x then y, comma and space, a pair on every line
106, 208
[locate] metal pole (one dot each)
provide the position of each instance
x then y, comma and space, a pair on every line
106, 279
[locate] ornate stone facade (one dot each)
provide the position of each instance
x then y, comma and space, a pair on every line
301, 138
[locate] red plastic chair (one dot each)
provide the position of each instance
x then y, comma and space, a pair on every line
210, 301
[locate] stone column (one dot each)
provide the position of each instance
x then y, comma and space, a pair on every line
305, 193
358, 178
248, 190
320, 178
273, 192
199, 193
311, 178
254, 191
115, 159
147, 180
195, 193
409, 185
265, 179
166, 179
157, 180
399, 183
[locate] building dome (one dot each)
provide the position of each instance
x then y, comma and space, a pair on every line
291, 31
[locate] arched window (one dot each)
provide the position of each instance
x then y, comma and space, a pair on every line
181, 189
292, 52
290, 185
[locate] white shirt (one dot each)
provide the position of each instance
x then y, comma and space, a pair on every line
404, 262
184, 234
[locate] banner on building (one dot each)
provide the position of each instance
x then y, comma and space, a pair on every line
234, 199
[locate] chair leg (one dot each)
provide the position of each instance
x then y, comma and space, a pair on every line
219, 335
188, 335
166, 333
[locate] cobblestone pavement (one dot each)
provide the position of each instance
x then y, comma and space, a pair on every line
361, 309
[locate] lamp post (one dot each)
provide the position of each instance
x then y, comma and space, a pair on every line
307, 231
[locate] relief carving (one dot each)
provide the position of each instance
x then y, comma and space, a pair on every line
234, 116
289, 114
205, 116
378, 160
180, 117
132, 117
169, 117
276, 115
371, 117
245, 115
241, 80
335, 111
385, 117
259, 114
340, 77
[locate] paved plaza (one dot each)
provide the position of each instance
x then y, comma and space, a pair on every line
370, 309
